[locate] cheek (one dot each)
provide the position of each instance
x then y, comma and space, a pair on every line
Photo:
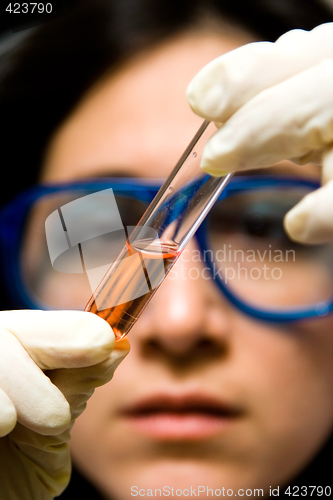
97, 443
289, 378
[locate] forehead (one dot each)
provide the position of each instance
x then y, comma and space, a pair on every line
136, 121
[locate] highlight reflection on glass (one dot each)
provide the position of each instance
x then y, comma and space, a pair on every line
159, 239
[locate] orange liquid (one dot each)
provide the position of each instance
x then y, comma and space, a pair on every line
141, 276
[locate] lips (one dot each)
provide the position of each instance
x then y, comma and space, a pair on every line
182, 418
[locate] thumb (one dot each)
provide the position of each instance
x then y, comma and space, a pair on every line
311, 220
60, 339
78, 384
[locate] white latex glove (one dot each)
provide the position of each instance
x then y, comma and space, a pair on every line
275, 101
50, 364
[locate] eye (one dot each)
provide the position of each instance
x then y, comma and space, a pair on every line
257, 215
262, 225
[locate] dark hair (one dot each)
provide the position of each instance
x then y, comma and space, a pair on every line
45, 70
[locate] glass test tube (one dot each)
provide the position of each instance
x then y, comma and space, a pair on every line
158, 240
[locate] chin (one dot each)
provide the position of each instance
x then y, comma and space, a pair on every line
171, 477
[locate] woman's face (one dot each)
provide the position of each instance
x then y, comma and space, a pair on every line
207, 396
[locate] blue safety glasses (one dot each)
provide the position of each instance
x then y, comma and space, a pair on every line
241, 247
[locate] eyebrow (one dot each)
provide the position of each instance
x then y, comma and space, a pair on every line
283, 170
126, 173
112, 173
259, 171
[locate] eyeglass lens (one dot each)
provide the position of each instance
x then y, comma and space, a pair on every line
256, 259
248, 249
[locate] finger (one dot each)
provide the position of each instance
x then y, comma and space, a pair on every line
227, 83
60, 339
7, 414
327, 165
311, 221
34, 457
78, 385
39, 405
292, 120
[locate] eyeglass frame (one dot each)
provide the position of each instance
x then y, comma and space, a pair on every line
13, 216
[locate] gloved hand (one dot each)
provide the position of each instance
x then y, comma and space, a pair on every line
274, 101
50, 364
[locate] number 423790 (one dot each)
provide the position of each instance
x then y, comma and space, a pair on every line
305, 491
29, 8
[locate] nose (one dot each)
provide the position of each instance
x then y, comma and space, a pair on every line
187, 313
